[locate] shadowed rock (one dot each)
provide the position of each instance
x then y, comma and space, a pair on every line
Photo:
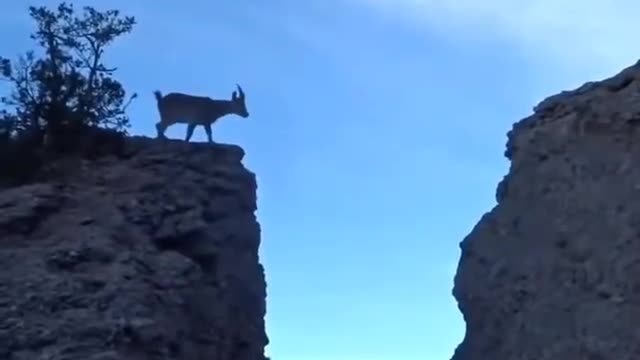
553, 271
150, 256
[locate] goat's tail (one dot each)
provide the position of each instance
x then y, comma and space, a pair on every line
158, 95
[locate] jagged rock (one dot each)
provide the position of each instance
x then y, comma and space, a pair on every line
553, 271
153, 255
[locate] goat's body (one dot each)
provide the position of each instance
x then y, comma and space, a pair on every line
188, 109
179, 108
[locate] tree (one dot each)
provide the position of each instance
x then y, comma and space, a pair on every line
66, 87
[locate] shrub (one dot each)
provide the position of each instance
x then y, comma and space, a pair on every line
63, 92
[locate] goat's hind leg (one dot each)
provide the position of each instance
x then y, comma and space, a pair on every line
190, 129
160, 128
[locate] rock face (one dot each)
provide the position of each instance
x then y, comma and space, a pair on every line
553, 270
154, 256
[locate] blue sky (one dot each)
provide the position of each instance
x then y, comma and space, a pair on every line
377, 131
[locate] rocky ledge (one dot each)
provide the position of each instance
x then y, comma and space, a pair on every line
152, 255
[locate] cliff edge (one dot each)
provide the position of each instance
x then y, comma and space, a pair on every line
150, 256
553, 270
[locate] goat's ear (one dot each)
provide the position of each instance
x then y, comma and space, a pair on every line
234, 96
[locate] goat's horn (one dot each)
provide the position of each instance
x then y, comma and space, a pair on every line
240, 92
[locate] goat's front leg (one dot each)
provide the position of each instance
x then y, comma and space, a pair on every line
207, 128
190, 129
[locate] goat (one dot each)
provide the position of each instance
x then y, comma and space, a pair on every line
179, 108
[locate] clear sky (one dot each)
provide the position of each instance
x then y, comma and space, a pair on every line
377, 131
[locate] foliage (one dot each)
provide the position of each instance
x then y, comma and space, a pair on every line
65, 89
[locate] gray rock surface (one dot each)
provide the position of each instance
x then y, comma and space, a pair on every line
150, 257
552, 272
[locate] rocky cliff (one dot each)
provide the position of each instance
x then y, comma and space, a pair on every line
153, 255
553, 270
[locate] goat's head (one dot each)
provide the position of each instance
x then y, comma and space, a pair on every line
239, 106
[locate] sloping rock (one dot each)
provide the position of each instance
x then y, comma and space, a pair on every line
154, 256
553, 271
